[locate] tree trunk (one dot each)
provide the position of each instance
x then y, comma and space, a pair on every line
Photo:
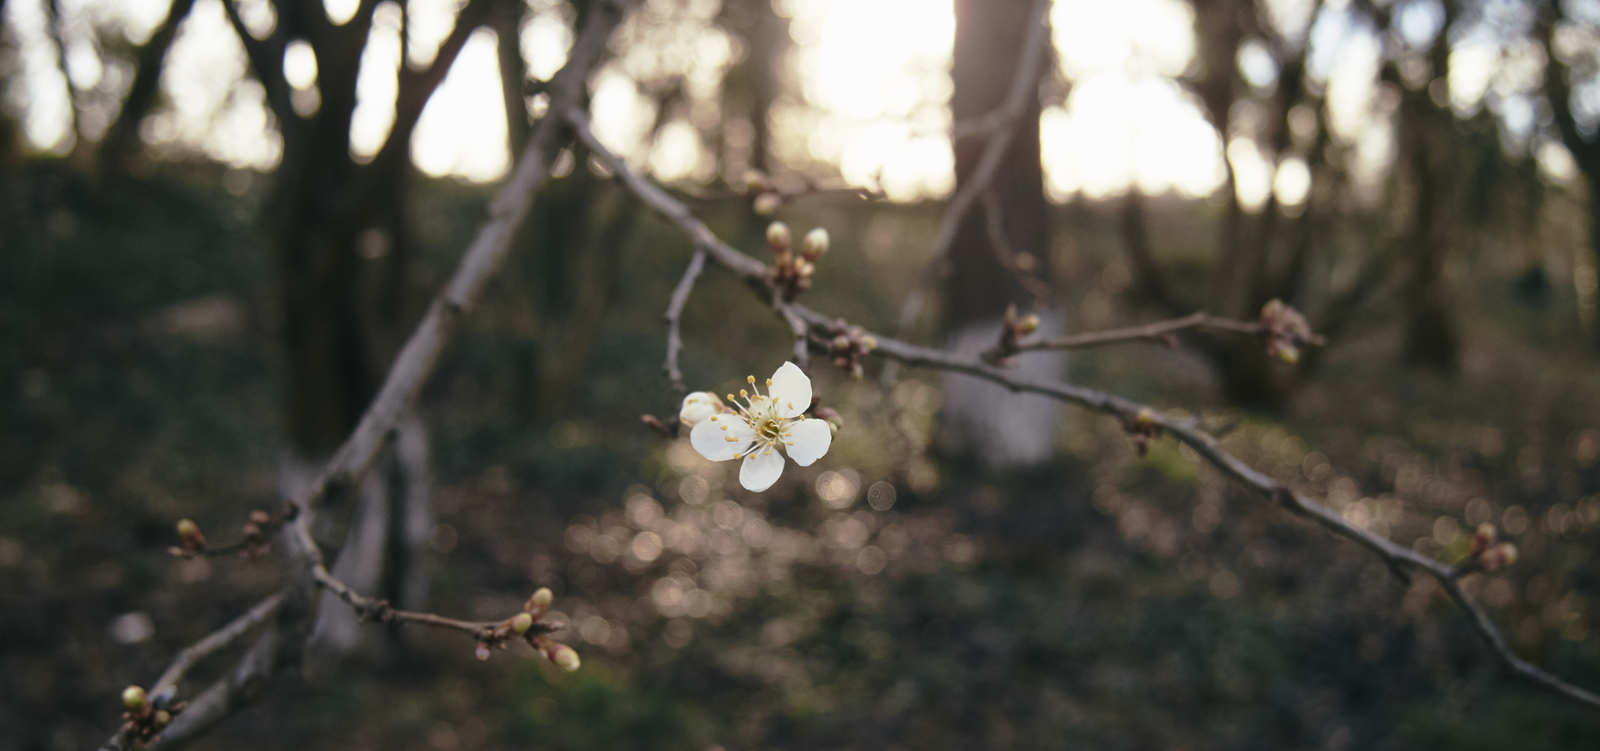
1593, 172
979, 419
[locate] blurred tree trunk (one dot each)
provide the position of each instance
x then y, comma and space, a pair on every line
507, 21
1219, 30
1429, 138
343, 248
1585, 148
977, 289
573, 241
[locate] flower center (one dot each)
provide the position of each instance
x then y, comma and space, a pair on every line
770, 430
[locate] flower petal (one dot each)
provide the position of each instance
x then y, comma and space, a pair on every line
697, 407
711, 437
791, 390
761, 469
807, 441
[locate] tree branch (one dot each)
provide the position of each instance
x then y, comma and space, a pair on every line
266, 61
123, 134
416, 87
680, 298
1129, 412
483, 258
1156, 332
396, 398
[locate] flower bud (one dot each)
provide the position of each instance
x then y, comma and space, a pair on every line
1498, 557
697, 407
1483, 537
260, 518
778, 237
542, 597
1144, 417
766, 204
187, 528
753, 180
163, 717
133, 697
815, 244
481, 651
521, 622
566, 658
1028, 324
869, 343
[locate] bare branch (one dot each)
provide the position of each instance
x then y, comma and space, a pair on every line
216, 641
266, 61
680, 298
1129, 412
234, 691
482, 259
380, 610
1558, 90
396, 398
123, 134
416, 87
1155, 332
994, 222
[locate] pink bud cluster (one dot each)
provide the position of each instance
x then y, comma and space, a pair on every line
142, 719
848, 345
1286, 330
526, 625
794, 267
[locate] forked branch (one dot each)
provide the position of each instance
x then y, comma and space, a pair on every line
1130, 413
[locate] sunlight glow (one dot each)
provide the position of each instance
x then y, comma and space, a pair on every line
1115, 130
213, 107
870, 97
463, 129
1147, 36
865, 60
299, 64
340, 11
40, 92
376, 85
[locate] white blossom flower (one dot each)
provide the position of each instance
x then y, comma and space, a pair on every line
697, 407
760, 424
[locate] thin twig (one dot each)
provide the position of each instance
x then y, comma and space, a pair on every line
994, 222
680, 297
797, 330
1024, 88
380, 610
1185, 431
1157, 332
216, 641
